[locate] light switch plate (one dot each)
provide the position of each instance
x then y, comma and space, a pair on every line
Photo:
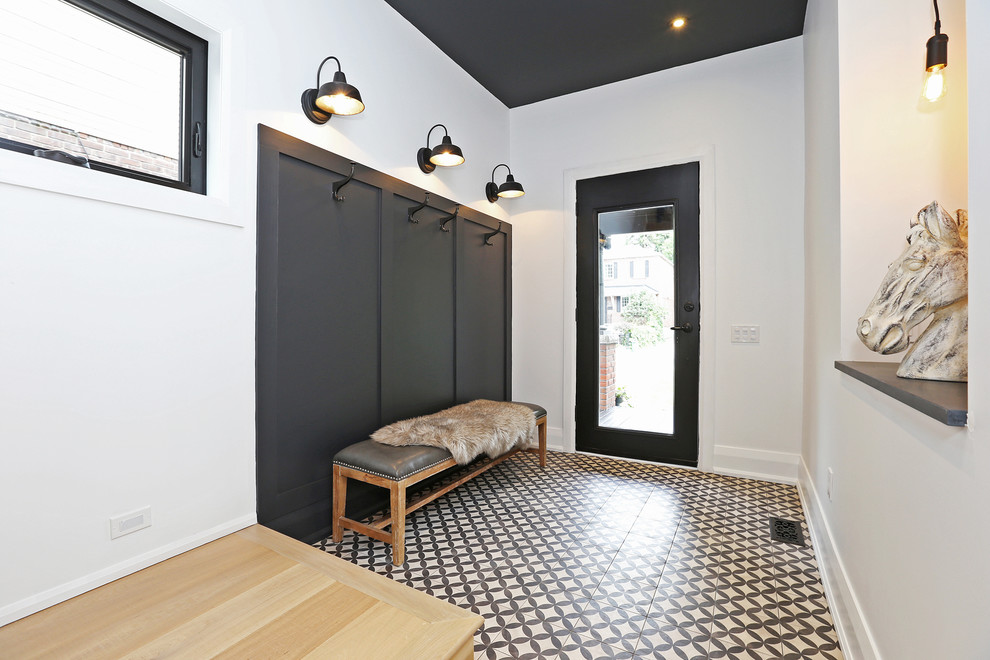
745, 334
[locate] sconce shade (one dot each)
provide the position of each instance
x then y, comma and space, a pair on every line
937, 55
332, 98
445, 154
339, 97
511, 187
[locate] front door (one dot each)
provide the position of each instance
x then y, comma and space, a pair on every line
638, 310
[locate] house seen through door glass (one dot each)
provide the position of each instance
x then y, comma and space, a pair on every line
636, 306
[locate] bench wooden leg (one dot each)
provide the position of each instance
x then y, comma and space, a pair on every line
541, 428
397, 494
339, 503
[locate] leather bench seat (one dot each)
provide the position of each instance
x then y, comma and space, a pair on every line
397, 468
538, 411
395, 463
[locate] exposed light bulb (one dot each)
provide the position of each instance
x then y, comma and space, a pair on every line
934, 85
678, 23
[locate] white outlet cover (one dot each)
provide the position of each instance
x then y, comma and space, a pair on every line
128, 523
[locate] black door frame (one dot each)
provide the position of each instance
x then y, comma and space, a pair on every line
637, 189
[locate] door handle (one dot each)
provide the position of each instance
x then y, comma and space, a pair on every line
687, 327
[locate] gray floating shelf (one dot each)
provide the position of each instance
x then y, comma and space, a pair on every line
943, 401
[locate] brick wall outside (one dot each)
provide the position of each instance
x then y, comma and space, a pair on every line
49, 136
606, 374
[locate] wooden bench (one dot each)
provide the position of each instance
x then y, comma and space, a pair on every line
397, 468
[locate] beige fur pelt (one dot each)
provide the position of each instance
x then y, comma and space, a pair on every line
467, 430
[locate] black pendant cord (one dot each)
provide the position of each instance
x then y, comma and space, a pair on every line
937, 55
320, 70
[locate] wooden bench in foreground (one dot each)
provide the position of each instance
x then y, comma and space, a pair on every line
397, 468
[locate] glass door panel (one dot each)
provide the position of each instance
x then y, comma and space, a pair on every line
636, 306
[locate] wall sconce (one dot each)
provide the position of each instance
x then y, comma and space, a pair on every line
511, 187
936, 59
332, 98
445, 154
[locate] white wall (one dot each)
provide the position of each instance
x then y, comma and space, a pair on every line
902, 541
822, 197
897, 155
742, 113
974, 457
127, 358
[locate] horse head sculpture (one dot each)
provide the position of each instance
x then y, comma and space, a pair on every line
929, 279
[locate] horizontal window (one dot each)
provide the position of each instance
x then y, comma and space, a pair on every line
107, 85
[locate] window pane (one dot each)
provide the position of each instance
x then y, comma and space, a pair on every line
72, 81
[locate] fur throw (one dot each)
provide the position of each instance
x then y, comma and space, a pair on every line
467, 430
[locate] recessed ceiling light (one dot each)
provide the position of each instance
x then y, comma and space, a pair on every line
678, 22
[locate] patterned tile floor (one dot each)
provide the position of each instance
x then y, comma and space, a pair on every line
595, 557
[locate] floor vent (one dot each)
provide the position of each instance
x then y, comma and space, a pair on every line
788, 531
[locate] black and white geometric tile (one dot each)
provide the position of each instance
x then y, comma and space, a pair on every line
595, 557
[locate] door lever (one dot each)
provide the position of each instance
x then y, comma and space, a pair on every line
687, 327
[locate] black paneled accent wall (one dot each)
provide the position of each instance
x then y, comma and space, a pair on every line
363, 318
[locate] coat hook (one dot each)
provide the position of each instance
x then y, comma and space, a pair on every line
413, 210
340, 184
488, 237
446, 219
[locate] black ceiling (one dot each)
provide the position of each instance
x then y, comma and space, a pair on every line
525, 51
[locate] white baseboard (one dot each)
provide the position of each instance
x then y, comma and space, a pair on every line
855, 637
756, 464
55, 595
555, 438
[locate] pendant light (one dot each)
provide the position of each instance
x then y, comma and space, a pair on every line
936, 59
511, 187
332, 98
445, 154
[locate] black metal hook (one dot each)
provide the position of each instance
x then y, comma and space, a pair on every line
337, 197
413, 210
453, 216
488, 237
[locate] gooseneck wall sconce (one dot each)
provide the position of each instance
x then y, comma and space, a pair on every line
936, 59
511, 187
445, 154
332, 98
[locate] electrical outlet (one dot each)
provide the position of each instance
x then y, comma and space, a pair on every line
128, 523
828, 483
745, 334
